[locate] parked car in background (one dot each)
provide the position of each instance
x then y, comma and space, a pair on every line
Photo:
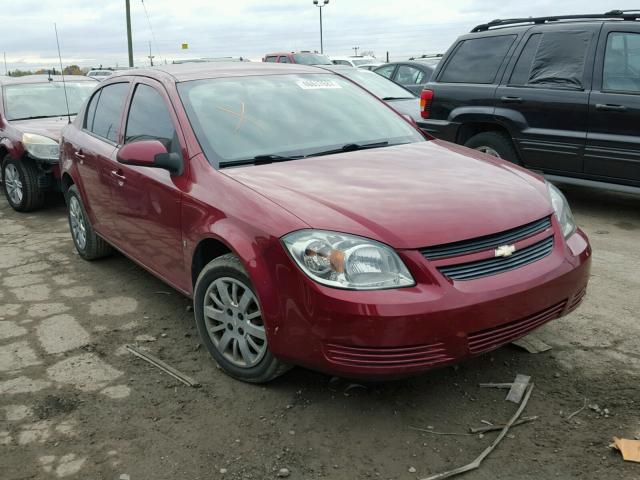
33, 111
303, 58
313, 225
398, 97
99, 74
411, 74
560, 95
353, 61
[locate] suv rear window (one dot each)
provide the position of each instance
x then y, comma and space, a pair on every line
477, 60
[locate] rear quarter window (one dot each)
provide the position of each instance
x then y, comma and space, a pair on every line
477, 60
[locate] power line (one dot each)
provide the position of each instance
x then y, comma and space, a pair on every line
153, 35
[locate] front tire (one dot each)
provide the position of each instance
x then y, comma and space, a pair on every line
496, 144
20, 184
89, 245
229, 322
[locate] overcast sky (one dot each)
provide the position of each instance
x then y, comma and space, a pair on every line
93, 32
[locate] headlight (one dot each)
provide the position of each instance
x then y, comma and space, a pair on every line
563, 212
41, 147
347, 261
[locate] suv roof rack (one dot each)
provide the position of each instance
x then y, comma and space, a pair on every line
428, 55
616, 14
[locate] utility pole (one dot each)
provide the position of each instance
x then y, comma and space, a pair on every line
355, 49
129, 40
324, 4
151, 57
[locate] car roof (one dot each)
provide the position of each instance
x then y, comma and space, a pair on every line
416, 63
198, 71
42, 79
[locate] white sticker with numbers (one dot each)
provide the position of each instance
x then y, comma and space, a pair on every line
317, 84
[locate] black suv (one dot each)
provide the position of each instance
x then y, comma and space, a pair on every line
560, 95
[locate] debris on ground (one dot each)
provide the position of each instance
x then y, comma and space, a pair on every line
495, 385
145, 337
491, 428
156, 362
532, 344
284, 473
630, 449
517, 388
570, 416
476, 463
602, 412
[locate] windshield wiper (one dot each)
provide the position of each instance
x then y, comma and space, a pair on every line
41, 116
351, 147
260, 160
388, 99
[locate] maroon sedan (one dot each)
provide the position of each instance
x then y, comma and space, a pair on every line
33, 111
312, 224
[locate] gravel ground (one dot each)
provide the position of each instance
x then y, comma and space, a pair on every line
75, 404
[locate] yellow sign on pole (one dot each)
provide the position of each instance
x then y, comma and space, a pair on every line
185, 46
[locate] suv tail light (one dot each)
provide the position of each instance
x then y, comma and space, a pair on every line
426, 97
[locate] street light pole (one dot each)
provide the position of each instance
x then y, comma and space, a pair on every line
324, 4
129, 41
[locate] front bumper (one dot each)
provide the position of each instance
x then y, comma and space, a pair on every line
401, 332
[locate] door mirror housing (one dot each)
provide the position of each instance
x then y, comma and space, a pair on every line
150, 153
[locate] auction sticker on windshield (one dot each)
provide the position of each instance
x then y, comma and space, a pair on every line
317, 84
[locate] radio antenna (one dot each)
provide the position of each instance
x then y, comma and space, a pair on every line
64, 85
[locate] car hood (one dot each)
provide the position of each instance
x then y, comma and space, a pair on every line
49, 127
407, 196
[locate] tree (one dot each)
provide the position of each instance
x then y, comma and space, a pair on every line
72, 70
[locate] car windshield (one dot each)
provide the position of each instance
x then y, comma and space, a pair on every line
380, 86
311, 59
238, 119
34, 100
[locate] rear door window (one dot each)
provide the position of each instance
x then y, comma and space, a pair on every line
271, 59
621, 71
283, 59
522, 70
108, 111
477, 60
408, 75
560, 59
386, 71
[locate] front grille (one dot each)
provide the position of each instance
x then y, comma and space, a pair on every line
492, 338
495, 265
487, 242
388, 357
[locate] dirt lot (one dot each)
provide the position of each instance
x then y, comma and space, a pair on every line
75, 404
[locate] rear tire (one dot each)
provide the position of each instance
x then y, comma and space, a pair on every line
89, 245
20, 184
496, 144
229, 322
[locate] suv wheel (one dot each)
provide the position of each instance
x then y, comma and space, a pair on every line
20, 184
495, 144
229, 321
89, 245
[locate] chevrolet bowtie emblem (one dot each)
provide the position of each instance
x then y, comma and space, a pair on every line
504, 250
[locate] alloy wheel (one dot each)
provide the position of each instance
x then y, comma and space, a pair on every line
234, 322
13, 184
489, 151
77, 221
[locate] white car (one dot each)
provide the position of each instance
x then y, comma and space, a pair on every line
99, 74
353, 60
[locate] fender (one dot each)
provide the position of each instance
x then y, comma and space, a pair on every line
16, 150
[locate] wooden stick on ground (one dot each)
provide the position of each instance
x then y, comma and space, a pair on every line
476, 463
491, 428
156, 362
495, 385
579, 410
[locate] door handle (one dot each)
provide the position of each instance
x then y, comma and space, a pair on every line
508, 99
118, 175
78, 153
605, 107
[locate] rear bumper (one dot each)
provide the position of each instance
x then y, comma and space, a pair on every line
441, 129
401, 332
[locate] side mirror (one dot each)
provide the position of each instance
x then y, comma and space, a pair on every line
150, 153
